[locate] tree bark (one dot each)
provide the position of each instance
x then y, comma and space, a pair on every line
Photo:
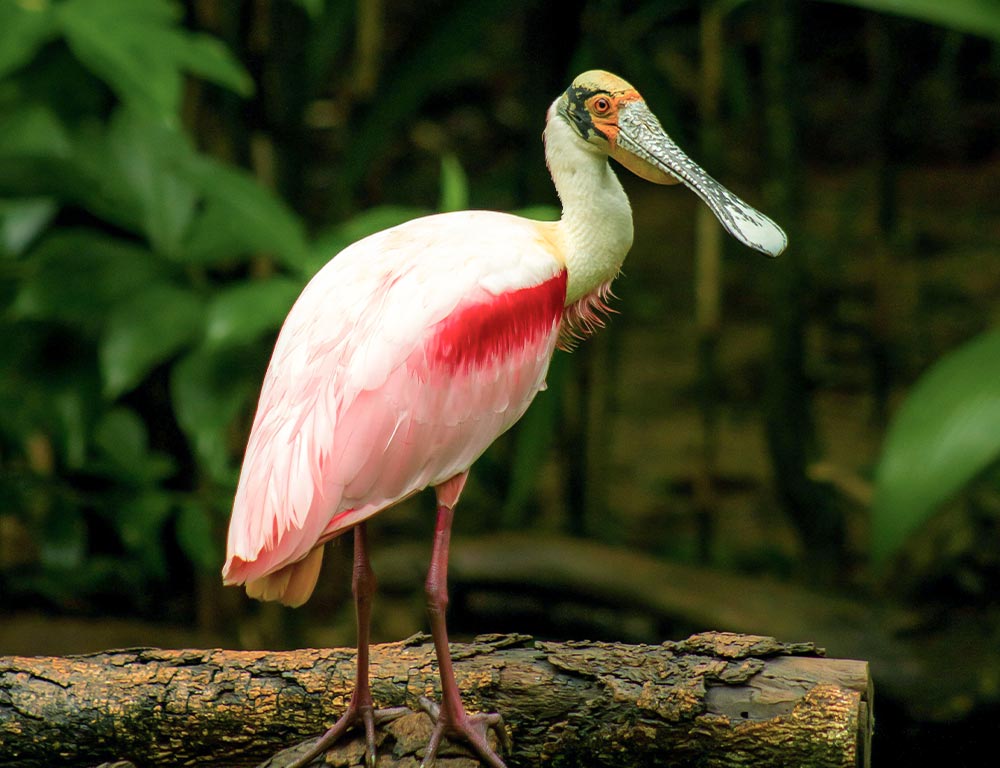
715, 699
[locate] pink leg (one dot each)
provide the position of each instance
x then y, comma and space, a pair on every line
450, 717
360, 710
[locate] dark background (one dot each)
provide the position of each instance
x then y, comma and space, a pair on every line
823, 428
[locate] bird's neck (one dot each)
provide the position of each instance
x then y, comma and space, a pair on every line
596, 221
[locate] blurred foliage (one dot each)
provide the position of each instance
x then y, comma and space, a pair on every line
120, 243
978, 17
143, 282
946, 433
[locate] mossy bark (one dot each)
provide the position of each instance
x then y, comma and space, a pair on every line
715, 699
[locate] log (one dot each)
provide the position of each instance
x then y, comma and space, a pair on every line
715, 699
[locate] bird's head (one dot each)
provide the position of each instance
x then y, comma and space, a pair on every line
610, 116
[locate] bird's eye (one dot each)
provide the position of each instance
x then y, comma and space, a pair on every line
601, 105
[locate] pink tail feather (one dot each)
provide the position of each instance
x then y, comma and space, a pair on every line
293, 584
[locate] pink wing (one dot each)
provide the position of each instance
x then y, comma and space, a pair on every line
402, 360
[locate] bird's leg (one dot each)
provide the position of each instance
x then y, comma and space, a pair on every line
450, 717
360, 710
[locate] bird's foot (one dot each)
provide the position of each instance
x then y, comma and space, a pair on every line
358, 714
473, 729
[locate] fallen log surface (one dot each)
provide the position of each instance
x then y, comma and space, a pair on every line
715, 699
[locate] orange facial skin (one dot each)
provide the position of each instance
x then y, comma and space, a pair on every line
596, 104
603, 108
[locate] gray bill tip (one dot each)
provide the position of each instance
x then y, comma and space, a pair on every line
750, 226
642, 135
740, 219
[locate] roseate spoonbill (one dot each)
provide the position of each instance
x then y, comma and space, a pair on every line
415, 348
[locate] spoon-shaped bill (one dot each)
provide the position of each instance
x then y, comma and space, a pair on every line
641, 136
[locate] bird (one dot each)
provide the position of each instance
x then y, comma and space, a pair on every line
413, 349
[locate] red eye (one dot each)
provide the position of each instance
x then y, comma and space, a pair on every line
601, 105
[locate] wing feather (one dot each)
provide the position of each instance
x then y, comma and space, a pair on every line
362, 405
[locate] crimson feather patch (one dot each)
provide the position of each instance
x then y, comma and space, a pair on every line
479, 334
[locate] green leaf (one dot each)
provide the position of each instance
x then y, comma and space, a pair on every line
38, 157
33, 130
196, 537
213, 239
122, 445
242, 216
91, 177
113, 38
147, 154
454, 185
57, 395
21, 221
313, 7
24, 27
140, 521
120, 436
978, 17
69, 408
141, 50
76, 276
64, 537
945, 433
209, 387
208, 57
242, 313
146, 330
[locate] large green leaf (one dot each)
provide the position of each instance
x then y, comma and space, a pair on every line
21, 221
242, 216
23, 28
203, 55
76, 276
39, 157
32, 130
120, 436
63, 543
197, 538
145, 330
140, 520
945, 433
313, 7
978, 17
44, 393
91, 176
121, 442
70, 407
147, 155
209, 387
242, 313
141, 50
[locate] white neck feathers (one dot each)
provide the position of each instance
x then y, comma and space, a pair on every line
597, 220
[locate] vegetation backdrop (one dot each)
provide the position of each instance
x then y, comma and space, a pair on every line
171, 174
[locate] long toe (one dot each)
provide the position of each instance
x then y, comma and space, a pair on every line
372, 718
366, 717
472, 729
